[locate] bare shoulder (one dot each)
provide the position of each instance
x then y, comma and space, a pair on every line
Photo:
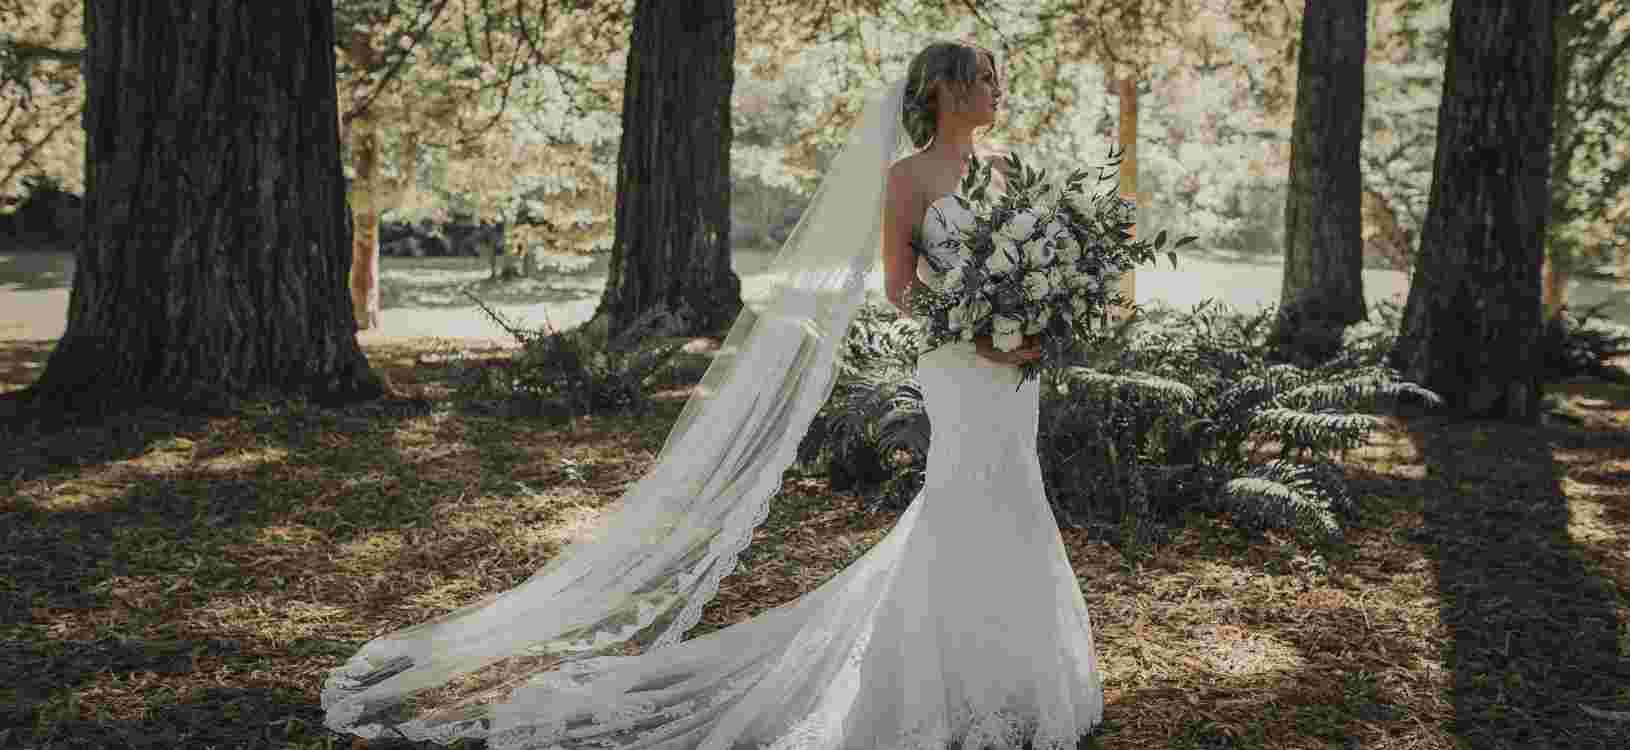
907, 180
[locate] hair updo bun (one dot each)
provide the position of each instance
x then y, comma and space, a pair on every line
956, 63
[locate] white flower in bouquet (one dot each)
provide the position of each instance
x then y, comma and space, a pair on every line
1006, 333
1001, 261
1019, 226
1037, 285
951, 215
1068, 249
1039, 252
1080, 306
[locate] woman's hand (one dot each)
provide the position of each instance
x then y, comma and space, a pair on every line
1029, 351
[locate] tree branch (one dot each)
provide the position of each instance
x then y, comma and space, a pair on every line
27, 156
396, 67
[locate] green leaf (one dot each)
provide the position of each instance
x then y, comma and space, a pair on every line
1184, 241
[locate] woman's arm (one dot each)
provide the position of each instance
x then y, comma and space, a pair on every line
899, 260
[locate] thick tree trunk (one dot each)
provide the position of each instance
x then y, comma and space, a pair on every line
670, 259
1323, 288
1472, 323
1127, 89
216, 245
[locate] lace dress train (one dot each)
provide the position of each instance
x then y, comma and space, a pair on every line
964, 627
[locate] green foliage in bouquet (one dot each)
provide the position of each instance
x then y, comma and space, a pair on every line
1038, 258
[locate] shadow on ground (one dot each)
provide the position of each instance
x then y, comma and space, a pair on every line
1533, 621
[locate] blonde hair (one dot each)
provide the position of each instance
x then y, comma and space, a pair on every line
955, 63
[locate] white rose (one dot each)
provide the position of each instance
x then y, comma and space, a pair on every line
956, 315
1001, 261
1005, 333
949, 213
1080, 306
1036, 285
1069, 251
1039, 252
1019, 226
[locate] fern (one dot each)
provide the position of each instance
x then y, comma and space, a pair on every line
1313, 432
1364, 391
1283, 494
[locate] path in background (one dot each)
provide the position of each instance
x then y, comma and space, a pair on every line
419, 303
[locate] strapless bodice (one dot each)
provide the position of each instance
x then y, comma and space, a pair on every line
944, 217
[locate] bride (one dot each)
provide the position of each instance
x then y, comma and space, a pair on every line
964, 627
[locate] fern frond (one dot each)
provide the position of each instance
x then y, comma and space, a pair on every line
1318, 431
1280, 494
1149, 388
1351, 394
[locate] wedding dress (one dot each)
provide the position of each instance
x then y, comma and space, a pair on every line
964, 627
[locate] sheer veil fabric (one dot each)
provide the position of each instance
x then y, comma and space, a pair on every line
965, 626
643, 576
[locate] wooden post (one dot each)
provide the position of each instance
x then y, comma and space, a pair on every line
1127, 88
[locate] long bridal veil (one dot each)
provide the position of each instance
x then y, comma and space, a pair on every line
643, 576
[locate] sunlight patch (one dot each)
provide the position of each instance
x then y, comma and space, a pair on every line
573, 524
242, 461
1586, 519
448, 596
373, 546
1234, 651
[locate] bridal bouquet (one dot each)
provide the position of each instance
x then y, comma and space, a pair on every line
1042, 259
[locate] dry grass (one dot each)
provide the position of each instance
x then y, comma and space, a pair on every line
172, 581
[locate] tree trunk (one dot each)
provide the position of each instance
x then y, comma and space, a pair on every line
1323, 288
1472, 322
216, 244
365, 221
1127, 88
670, 257
1559, 251
365, 199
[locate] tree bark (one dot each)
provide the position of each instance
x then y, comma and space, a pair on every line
1127, 89
670, 268
365, 199
1472, 323
1323, 287
216, 244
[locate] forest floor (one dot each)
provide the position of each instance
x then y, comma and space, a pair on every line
187, 581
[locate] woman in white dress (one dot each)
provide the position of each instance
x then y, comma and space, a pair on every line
965, 627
